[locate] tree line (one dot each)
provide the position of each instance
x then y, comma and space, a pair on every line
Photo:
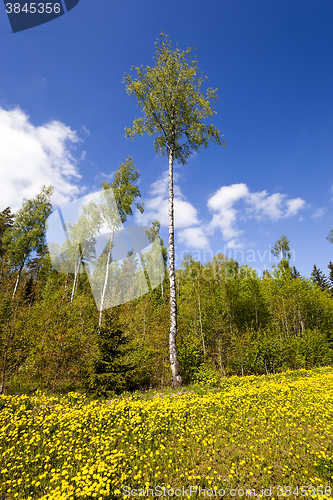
230, 320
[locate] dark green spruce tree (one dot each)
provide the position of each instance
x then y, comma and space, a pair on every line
319, 278
106, 372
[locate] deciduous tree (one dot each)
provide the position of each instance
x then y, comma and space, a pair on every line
282, 249
28, 231
175, 109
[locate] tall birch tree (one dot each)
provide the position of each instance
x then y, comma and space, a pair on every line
282, 249
175, 110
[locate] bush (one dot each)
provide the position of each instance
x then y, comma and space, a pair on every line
207, 375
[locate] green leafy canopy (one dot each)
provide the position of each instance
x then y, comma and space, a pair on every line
172, 103
124, 189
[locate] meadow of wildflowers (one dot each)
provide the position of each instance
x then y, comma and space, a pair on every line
249, 433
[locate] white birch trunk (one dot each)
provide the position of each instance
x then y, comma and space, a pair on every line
105, 283
175, 369
77, 271
18, 277
16, 284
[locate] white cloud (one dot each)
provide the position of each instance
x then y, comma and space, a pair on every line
259, 205
319, 212
222, 202
226, 196
31, 156
194, 237
294, 206
265, 206
156, 207
235, 244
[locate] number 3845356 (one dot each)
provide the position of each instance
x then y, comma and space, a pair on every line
32, 8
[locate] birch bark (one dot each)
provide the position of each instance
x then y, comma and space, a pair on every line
105, 282
19, 274
175, 368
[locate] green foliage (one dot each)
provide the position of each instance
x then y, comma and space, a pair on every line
282, 249
295, 274
124, 189
153, 233
207, 375
324, 467
173, 105
330, 276
190, 356
6, 224
230, 322
105, 374
319, 278
27, 233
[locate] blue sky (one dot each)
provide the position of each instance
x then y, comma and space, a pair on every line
63, 110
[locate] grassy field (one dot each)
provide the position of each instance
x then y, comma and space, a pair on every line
234, 441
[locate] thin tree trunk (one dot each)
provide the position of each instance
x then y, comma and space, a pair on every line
203, 340
105, 283
256, 311
18, 277
77, 274
220, 356
300, 315
175, 368
285, 316
77, 271
104, 289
